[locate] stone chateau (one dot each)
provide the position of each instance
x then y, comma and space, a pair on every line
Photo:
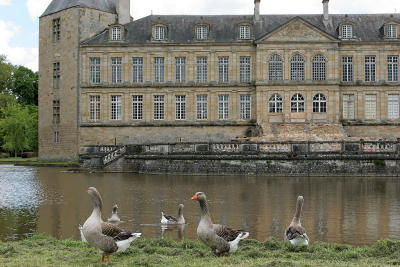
106, 79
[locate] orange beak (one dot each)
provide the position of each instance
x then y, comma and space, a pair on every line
116, 206
194, 197
87, 190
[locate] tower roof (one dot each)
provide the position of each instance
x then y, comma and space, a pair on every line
59, 5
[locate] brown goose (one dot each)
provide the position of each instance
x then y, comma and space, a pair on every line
221, 239
165, 219
295, 233
107, 237
114, 215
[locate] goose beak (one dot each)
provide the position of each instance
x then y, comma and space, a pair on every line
194, 197
116, 207
87, 190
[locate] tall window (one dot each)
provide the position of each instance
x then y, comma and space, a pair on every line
348, 107
275, 104
159, 69
56, 75
319, 68
116, 69
95, 70
94, 107
223, 107
56, 137
56, 30
391, 31
180, 107
116, 107
245, 69
201, 69
370, 107
393, 68
137, 107
319, 103
159, 33
297, 68
180, 69
223, 69
158, 102
245, 107
347, 69
370, 68
202, 32
347, 31
297, 103
137, 69
393, 107
275, 68
244, 32
56, 111
116, 33
202, 107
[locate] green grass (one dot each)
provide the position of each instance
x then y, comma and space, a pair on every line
36, 162
47, 251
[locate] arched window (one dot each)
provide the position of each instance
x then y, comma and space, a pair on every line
297, 103
297, 68
275, 68
319, 103
275, 103
319, 68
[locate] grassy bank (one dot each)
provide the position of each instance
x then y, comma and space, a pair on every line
47, 251
35, 162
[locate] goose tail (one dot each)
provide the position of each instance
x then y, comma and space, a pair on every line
124, 244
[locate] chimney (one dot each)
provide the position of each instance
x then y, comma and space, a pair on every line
123, 11
257, 10
326, 9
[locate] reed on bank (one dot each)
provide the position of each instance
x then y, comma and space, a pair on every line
48, 251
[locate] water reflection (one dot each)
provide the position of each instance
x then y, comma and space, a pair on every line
346, 210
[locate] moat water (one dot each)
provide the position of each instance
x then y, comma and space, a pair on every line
53, 201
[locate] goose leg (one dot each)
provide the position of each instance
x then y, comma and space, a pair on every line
102, 258
108, 258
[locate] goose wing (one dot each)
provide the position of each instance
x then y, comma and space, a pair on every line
295, 231
170, 218
228, 234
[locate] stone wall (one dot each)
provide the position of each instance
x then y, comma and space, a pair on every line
268, 158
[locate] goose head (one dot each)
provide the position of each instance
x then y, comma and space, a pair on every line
199, 196
115, 208
181, 206
96, 198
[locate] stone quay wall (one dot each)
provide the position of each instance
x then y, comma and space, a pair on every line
249, 158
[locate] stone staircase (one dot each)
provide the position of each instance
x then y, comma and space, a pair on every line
113, 155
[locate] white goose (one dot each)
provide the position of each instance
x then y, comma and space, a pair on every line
165, 219
114, 215
295, 233
221, 239
107, 237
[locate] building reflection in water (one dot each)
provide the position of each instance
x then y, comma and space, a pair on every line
345, 210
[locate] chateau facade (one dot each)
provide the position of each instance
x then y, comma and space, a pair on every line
106, 79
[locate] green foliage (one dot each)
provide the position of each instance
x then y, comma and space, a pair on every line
18, 127
6, 74
25, 86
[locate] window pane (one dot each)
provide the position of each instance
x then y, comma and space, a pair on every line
137, 69
223, 69
393, 107
275, 68
116, 70
370, 107
158, 69
245, 107
180, 107
137, 107
245, 69
275, 104
223, 107
297, 68
158, 107
348, 107
202, 107
116, 107
318, 68
201, 69
94, 107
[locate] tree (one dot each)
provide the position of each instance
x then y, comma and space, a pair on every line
25, 86
18, 127
6, 74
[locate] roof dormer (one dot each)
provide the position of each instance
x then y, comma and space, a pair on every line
391, 30
116, 32
201, 31
159, 32
346, 30
244, 31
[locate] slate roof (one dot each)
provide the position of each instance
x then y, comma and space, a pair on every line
59, 5
224, 28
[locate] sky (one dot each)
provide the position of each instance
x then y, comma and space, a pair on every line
19, 19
